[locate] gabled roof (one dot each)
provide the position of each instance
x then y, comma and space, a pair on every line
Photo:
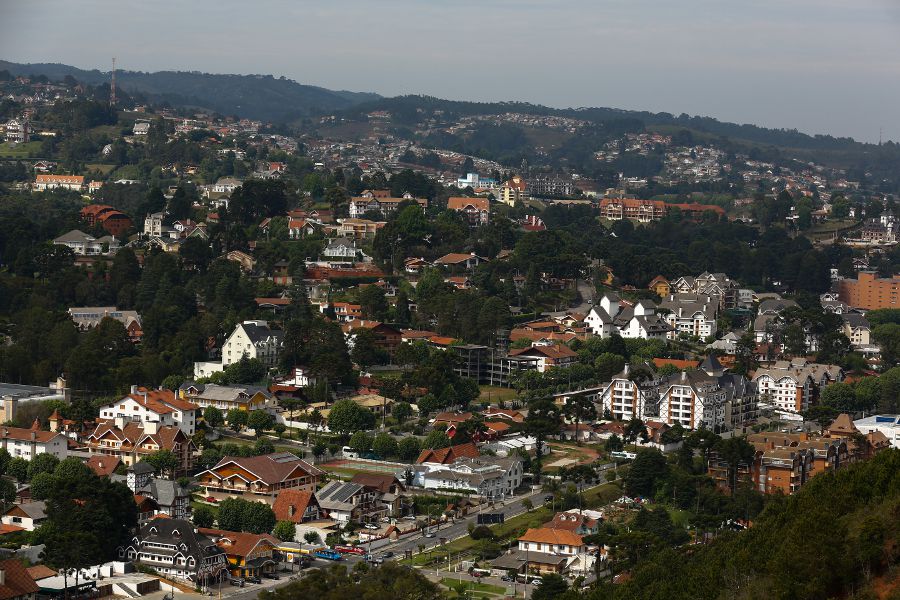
446, 456
461, 203
297, 499
238, 543
546, 535
271, 469
17, 582
555, 352
383, 482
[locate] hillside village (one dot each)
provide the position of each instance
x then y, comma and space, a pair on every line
272, 348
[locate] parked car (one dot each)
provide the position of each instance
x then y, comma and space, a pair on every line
271, 576
371, 526
211, 499
236, 581
253, 579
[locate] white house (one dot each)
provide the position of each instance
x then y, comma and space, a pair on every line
28, 443
226, 185
616, 317
489, 478
67, 182
83, 244
552, 541
253, 339
28, 515
161, 406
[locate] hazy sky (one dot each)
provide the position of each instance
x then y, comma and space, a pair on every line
821, 66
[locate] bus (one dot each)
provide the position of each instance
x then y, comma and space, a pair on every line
328, 554
350, 550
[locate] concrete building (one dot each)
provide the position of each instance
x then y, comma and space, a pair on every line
869, 291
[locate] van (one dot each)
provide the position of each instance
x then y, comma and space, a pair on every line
348, 452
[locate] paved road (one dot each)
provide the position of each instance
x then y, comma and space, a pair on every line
460, 528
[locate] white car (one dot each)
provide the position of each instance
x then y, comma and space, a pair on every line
371, 526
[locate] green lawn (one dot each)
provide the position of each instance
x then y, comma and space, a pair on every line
20, 151
494, 394
475, 587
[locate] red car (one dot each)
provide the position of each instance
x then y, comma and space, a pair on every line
211, 499
350, 550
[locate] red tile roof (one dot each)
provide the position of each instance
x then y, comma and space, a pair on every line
446, 456
296, 499
16, 582
102, 465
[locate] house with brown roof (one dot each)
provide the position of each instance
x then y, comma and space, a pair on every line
296, 506
131, 441
460, 261
493, 412
477, 211
548, 356
552, 541
248, 554
263, 476
28, 443
574, 521
390, 491
15, 581
165, 407
659, 286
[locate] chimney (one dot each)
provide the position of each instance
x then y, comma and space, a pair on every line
684, 376
2, 576
120, 422
134, 389
151, 427
291, 510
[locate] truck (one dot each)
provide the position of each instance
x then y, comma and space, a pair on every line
350, 550
327, 554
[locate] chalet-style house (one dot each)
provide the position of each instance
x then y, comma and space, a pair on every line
175, 548
476, 211
131, 441
259, 476
248, 554
226, 397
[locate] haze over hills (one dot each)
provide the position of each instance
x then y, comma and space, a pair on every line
254, 96
283, 100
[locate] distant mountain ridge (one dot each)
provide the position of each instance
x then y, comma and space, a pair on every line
283, 100
253, 96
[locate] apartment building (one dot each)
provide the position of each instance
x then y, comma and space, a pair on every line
74, 183
373, 202
642, 211
869, 291
514, 190
164, 407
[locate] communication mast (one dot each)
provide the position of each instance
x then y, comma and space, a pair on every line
112, 85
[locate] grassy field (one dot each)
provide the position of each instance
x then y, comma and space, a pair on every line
493, 393
105, 169
20, 150
486, 590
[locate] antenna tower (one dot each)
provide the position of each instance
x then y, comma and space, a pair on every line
112, 85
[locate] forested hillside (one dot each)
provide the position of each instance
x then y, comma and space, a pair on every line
253, 96
836, 538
